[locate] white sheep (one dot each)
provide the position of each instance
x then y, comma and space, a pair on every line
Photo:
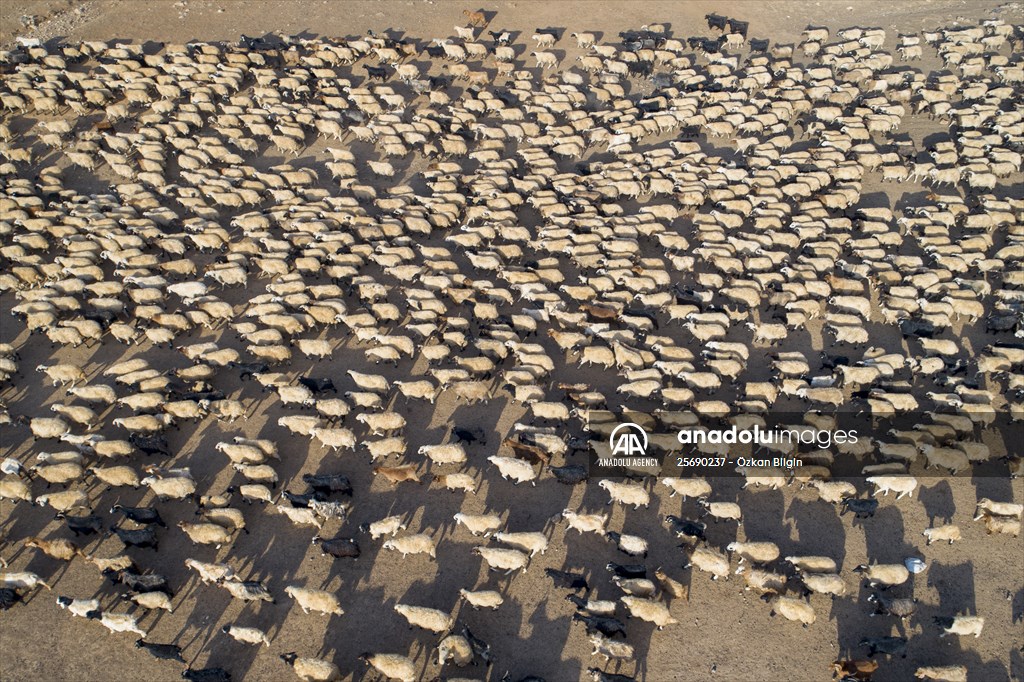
960, 625
117, 476
812, 564
987, 506
210, 572
633, 545
456, 648
585, 523
948, 532
516, 469
824, 583
63, 374
22, 579
418, 543
479, 523
448, 453
710, 561
723, 510
117, 622
64, 500
246, 635
370, 382
386, 447
794, 609
314, 600
386, 526
206, 533
833, 491
253, 492
487, 599
528, 542
626, 493
257, 473
508, 559
886, 575
312, 669
423, 617
49, 427
650, 611
464, 482
902, 485
755, 552
153, 601
335, 439
381, 423
392, 666
300, 516
687, 487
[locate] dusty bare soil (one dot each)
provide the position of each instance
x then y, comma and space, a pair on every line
724, 633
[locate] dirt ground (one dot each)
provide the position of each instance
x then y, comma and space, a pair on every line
724, 633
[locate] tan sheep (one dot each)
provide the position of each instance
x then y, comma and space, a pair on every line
793, 609
528, 542
206, 533
392, 666
650, 611
314, 600
756, 552
426, 618
508, 560
885, 575
948, 532
487, 599
418, 543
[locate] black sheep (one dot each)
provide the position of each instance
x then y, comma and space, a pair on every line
82, 525
140, 582
206, 675
572, 581
861, 508
167, 652
328, 483
716, 21
607, 626
144, 538
627, 570
571, 474
318, 385
890, 646
143, 515
339, 548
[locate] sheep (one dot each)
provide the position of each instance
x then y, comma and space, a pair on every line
960, 625
948, 532
63, 501
793, 609
246, 635
117, 622
812, 564
384, 422
315, 600
334, 438
15, 489
210, 572
833, 491
248, 590
22, 579
479, 523
756, 552
482, 599
585, 523
688, 487
173, 488
1001, 524
508, 559
62, 473
729, 511
457, 648
763, 582
632, 545
116, 476
252, 492
206, 533
902, 608
311, 669
97, 394
529, 542
300, 516
650, 611
886, 575
428, 619
464, 482
516, 469
386, 526
386, 447
449, 453
903, 485
60, 549
392, 666
398, 474
610, 648
985, 506
943, 673
49, 427
418, 543
228, 517
626, 493
151, 601
824, 583
78, 607
63, 374
710, 561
